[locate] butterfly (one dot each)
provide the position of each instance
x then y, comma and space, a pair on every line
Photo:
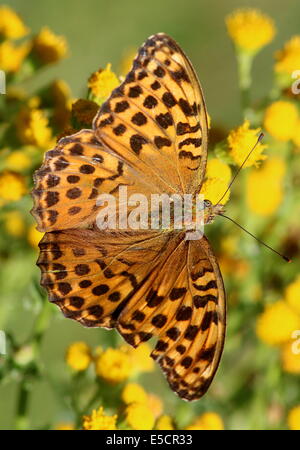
151, 136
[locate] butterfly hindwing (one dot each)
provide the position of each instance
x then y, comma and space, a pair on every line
145, 285
183, 305
89, 273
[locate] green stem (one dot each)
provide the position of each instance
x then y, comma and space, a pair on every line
95, 397
22, 405
42, 322
244, 61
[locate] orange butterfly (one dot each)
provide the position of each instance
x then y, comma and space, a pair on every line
150, 136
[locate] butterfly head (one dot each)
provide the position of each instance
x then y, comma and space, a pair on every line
211, 211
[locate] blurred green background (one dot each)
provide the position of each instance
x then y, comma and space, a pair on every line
99, 32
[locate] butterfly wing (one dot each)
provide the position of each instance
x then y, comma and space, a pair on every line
144, 284
158, 115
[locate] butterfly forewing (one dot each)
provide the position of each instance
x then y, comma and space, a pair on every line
73, 176
158, 114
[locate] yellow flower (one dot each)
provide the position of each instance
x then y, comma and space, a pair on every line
65, 426
133, 392
84, 111
290, 358
293, 418
213, 189
269, 181
49, 47
249, 29
11, 25
292, 294
18, 161
217, 169
155, 404
14, 223
34, 236
99, 421
281, 120
140, 358
102, 82
212, 421
276, 324
33, 127
12, 56
165, 423
240, 142
78, 356
113, 365
218, 175
12, 187
288, 59
139, 416
207, 421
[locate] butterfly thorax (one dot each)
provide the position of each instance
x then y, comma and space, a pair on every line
205, 216
211, 211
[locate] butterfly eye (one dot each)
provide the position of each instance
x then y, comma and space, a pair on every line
207, 203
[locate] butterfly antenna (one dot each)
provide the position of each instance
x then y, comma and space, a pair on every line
260, 137
258, 240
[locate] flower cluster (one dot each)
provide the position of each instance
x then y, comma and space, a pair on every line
44, 48
134, 407
30, 122
113, 365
